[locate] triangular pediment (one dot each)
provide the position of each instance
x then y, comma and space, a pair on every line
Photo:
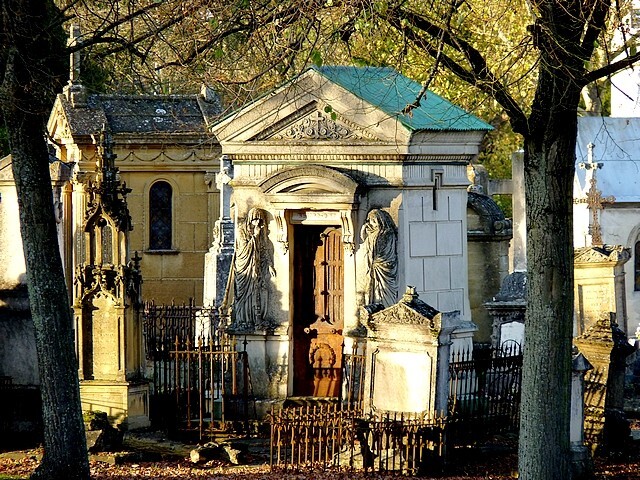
311, 109
616, 254
357, 112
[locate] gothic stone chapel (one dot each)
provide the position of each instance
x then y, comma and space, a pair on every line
337, 202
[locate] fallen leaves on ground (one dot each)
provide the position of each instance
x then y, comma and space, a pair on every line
478, 467
184, 469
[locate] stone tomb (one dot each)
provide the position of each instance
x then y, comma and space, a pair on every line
508, 309
607, 348
407, 369
337, 199
599, 285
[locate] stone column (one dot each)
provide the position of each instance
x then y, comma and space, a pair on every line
218, 261
581, 462
519, 250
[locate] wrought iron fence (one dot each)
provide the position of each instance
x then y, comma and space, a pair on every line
162, 324
324, 436
199, 381
484, 398
200, 388
353, 377
484, 392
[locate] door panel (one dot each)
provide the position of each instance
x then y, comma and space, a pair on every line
318, 311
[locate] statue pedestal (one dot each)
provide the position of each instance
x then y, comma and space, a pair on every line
126, 403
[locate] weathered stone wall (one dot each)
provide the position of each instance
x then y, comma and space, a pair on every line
18, 358
177, 274
488, 265
488, 237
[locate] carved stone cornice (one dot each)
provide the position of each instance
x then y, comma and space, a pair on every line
325, 158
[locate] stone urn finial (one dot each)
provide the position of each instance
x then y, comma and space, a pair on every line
410, 295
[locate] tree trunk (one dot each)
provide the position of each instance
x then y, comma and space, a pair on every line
544, 449
33, 51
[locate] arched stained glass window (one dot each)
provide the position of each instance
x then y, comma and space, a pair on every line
160, 214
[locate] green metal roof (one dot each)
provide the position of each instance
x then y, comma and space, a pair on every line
391, 92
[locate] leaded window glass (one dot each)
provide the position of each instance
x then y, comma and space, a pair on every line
160, 213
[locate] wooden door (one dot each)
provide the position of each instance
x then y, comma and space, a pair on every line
318, 311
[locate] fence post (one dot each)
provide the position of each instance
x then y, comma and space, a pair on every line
581, 462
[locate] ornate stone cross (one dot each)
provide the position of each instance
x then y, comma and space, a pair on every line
594, 199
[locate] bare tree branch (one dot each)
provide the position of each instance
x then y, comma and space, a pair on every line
478, 74
610, 69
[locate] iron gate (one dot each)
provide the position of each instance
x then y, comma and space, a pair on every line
200, 381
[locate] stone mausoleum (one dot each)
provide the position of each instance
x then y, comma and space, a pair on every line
336, 200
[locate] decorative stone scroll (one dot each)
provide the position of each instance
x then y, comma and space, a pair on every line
348, 235
282, 233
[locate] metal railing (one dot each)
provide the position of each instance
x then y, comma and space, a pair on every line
324, 436
162, 324
199, 380
484, 398
484, 393
353, 377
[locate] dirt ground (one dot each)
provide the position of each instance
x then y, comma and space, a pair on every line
156, 458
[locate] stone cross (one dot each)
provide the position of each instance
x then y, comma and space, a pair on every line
594, 199
74, 91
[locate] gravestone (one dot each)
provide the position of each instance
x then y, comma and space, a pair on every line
606, 348
599, 285
107, 296
508, 309
408, 367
